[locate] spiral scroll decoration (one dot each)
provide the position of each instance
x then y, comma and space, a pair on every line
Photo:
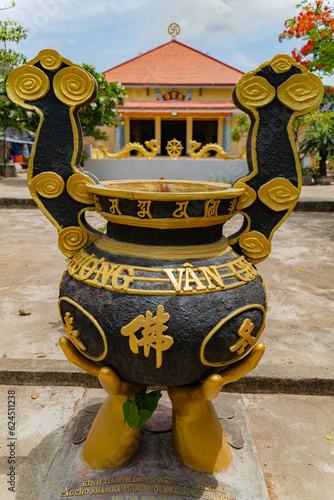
55, 89
254, 91
278, 194
27, 83
280, 64
247, 198
47, 184
73, 86
76, 187
300, 92
71, 240
50, 59
255, 246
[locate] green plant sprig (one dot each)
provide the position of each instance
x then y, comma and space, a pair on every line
138, 411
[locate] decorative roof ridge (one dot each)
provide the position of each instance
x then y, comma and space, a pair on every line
179, 43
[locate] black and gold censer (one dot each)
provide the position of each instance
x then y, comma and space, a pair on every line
163, 298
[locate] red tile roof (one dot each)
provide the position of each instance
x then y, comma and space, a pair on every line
177, 105
174, 64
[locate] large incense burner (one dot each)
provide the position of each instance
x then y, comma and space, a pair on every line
163, 297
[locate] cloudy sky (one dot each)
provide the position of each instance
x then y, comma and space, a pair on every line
242, 33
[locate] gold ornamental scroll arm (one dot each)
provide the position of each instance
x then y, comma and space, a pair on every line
273, 95
56, 89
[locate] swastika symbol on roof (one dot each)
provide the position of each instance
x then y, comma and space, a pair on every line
174, 29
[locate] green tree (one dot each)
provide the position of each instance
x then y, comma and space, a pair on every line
298, 131
319, 137
11, 32
10, 114
241, 128
103, 111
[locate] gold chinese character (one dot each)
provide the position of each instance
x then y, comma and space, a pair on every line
73, 334
242, 269
211, 208
152, 334
114, 208
97, 202
245, 337
145, 209
181, 211
232, 205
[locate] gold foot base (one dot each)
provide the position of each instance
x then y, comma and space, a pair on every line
198, 436
109, 442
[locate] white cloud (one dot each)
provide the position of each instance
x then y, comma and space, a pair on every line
204, 20
199, 19
108, 32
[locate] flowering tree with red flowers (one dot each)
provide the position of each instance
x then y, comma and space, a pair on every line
315, 25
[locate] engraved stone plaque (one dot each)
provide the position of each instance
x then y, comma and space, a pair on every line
154, 472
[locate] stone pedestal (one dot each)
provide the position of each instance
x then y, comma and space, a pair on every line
154, 472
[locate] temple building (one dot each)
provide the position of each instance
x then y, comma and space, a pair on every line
175, 91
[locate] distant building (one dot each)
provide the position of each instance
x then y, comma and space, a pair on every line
175, 91
18, 145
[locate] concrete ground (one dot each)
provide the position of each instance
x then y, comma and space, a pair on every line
16, 188
292, 431
291, 435
298, 277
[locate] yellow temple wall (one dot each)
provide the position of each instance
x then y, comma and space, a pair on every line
237, 147
110, 143
139, 94
199, 94
212, 94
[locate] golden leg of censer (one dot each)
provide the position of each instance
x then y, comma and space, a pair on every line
198, 435
110, 443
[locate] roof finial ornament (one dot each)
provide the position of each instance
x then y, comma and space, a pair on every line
174, 29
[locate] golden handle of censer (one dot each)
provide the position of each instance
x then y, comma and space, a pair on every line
48, 85
272, 95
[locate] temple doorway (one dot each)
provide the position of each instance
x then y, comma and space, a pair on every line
173, 129
141, 131
205, 131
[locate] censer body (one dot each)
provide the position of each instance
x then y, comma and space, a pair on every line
163, 313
